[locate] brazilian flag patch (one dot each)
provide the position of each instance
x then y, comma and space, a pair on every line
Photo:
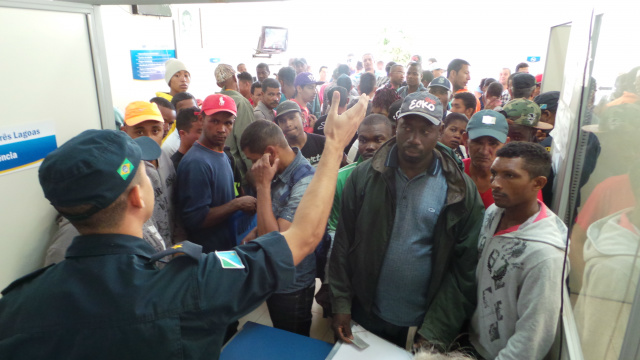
125, 169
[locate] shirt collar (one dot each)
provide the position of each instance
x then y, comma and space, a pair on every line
392, 161
288, 172
108, 244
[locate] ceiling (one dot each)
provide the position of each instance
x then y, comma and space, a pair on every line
156, 2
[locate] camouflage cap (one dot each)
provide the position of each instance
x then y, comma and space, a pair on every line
524, 112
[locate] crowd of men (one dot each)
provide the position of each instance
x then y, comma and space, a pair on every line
438, 221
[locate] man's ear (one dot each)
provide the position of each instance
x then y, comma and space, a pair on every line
181, 133
539, 182
135, 198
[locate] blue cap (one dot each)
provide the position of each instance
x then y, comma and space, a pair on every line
442, 82
93, 168
488, 123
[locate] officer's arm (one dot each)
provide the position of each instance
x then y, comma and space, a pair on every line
310, 221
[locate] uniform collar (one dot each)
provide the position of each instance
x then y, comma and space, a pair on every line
108, 244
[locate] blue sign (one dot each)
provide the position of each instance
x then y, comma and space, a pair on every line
533, 59
25, 146
214, 60
149, 64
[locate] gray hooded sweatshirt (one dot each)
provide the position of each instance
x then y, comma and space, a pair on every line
519, 277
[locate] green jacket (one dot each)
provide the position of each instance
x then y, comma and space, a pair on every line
364, 230
243, 119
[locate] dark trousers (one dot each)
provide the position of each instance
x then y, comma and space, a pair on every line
292, 311
374, 324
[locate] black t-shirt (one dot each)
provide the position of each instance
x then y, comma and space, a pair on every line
175, 159
313, 148
318, 128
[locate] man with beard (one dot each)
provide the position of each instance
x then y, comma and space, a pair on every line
405, 249
270, 100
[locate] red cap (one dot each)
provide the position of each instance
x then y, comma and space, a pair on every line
219, 102
539, 79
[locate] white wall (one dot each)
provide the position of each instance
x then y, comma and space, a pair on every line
47, 75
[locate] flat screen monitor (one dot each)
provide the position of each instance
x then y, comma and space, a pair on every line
273, 40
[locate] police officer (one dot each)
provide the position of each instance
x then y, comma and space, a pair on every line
109, 299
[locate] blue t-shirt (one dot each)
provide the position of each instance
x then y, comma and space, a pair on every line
205, 180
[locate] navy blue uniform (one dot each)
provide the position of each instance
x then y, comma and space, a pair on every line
109, 300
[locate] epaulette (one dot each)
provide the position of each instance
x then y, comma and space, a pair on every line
25, 279
184, 248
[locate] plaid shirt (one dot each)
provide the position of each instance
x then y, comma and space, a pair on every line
505, 97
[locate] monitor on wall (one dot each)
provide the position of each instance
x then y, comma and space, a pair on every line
273, 40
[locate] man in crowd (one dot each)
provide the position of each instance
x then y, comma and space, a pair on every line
458, 74
125, 295
289, 119
522, 246
270, 100
374, 131
437, 70
287, 77
504, 81
189, 127
171, 142
241, 68
396, 77
441, 88
278, 197
405, 249
262, 71
305, 85
486, 134
342, 107
522, 86
300, 65
177, 77
256, 93
168, 112
453, 130
524, 120
367, 85
244, 85
464, 103
226, 80
322, 73
206, 198
427, 77
522, 68
548, 103
493, 96
414, 78
143, 118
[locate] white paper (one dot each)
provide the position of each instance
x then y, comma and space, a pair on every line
379, 349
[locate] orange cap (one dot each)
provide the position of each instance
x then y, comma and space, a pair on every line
139, 111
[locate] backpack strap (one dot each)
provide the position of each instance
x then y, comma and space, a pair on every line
299, 174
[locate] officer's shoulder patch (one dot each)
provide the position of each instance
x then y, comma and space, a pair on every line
230, 259
25, 279
187, 248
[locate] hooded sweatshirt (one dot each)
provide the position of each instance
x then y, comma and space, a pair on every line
611, 273
519, 277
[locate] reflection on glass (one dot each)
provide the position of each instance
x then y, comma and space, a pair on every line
605, 240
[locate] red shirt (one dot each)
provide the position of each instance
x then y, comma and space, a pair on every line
305, 117
487, 196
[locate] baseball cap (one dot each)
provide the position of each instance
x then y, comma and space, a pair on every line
488, 123
394, 111
548, 100
442, 82
139, 111
539, 79
286, 107
93, 168
218, 102
435, 66
172, 66
523, 81
423, 104
224, 72
306, 78
525, 112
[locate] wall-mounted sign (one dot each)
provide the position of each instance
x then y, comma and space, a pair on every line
214, 60
149, 64
533, 59
25, 146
